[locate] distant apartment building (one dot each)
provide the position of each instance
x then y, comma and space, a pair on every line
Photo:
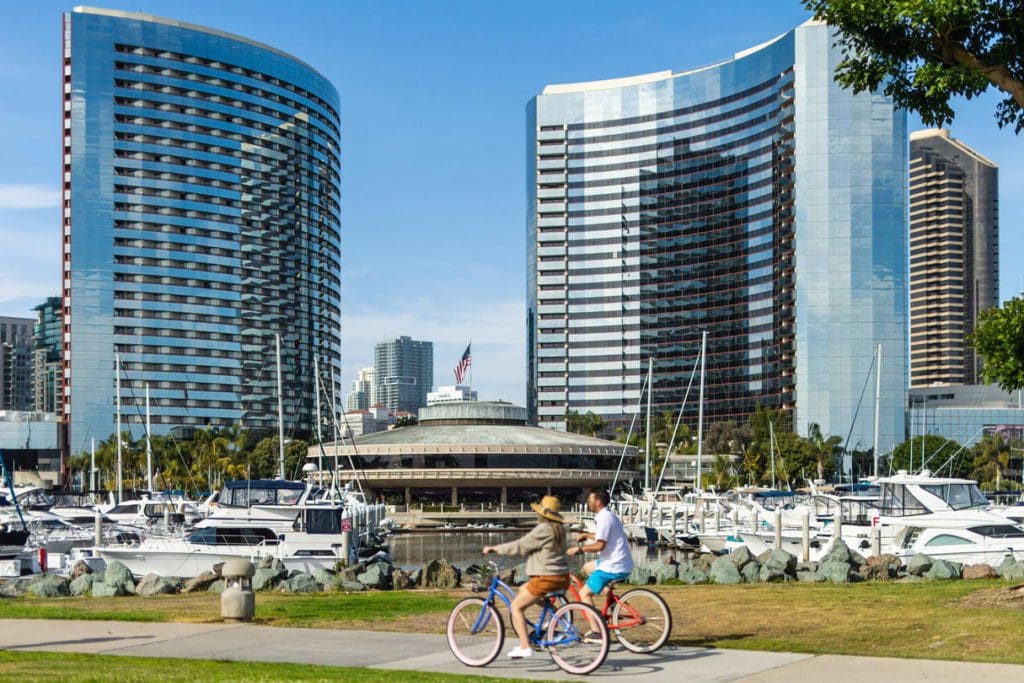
16, 363
364, 393
954, 255
201, 220
366, 421
451, 394
754, 199
46, 357
403, 373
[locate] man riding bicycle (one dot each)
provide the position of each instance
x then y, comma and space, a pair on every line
614, 561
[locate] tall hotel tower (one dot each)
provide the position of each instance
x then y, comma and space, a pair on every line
954, 255
754, 200
201, 218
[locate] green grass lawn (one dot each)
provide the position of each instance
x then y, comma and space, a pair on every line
928, 620
53, 666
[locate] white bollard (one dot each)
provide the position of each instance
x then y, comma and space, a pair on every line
718, 518
778, 529
99, 528
805, 538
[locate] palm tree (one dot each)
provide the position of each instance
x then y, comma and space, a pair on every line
991, 456
824, 448
723, 472
593, 424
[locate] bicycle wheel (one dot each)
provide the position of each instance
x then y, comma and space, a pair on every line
565, 640
475, 632
641, 620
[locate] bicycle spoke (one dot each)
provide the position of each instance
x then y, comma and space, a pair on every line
641, 620
475, 632
566, 640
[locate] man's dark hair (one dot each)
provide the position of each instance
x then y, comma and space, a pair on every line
601, 496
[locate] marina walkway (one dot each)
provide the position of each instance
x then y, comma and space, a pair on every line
430, 653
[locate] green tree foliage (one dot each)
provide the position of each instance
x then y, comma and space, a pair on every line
930, 452
999, 340
991, 460
756, 459
727, 436
922, 53
407, 421
824, 449
265, 458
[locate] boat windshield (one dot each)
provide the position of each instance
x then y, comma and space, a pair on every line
771, 500
958, 496
998, 531
897, 501
260, 492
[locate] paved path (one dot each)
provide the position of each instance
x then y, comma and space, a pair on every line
430, 653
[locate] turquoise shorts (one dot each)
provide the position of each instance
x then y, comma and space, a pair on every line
599, 579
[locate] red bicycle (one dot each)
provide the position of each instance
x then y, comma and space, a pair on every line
639, 618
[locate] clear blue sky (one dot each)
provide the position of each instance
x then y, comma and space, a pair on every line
433, 146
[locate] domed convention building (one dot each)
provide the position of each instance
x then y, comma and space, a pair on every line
478, 452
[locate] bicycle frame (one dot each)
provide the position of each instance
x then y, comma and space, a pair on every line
635, 619
501, 590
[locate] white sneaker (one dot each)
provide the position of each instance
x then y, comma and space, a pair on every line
520, 653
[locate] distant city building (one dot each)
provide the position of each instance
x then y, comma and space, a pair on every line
403, 373
954, 255
364, 392
754, 199
29, 443
965, 413
366, 421
16, 363
201, 217
450, 394
46, 357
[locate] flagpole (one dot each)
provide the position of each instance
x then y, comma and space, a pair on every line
470, 366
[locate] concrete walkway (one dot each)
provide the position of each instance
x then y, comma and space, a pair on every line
430, 653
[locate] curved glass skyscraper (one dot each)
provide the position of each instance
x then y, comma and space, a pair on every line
753, 199
201, 218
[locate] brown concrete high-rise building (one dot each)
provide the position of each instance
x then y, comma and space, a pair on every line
954, 255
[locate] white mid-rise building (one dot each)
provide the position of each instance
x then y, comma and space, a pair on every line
458, 392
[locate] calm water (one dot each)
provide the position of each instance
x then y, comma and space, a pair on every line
412, 550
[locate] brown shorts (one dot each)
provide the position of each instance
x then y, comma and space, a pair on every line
539, 585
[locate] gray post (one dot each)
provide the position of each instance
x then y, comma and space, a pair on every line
805, 537
674, 524
837, 527
99, 527
686, 521
346, 547
700, 519
778, 529
735, 520
876, 541
754, 522
718, 518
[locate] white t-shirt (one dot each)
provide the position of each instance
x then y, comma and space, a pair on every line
615, 557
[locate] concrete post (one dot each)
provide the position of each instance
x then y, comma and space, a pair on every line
673, 524
754, 522
778, 529
735, 520
805, 538
876, 541
837, 528
700, 516
455, 496
504, 497
408, 498
686, 521
718, 518
99, 527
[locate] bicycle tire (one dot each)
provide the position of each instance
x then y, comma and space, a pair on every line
475, 632
655, 620
565, 641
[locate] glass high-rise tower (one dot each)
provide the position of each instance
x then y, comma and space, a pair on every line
403, 373
200, 219
753, 199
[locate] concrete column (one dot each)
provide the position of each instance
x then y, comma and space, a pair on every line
408, 498
455, 496
504, 496
805, 538
778, 529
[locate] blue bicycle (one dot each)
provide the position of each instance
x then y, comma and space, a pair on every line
476, 631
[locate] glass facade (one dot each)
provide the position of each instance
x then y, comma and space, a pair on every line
201, 218
752, 199
403, 373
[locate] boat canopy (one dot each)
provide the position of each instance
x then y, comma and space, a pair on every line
242, 493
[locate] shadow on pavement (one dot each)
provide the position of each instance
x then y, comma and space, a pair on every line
80, 641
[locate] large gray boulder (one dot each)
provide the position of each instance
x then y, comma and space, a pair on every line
839, 552
118, 576
49, 586
886, 563
154, 584
102, 589
377, 575
81, 567
322, 576
347, 586
751, 572
770, 574
217, 586
741, 556
781, 561
807, 576
834, 571
919, 564
725, 572
14, 588
266, 579
440, 574
942, 570
82, 585
664, 572
690, 574
300, 583
704, 561
1010, 569
641, 576
199, 583
401, 580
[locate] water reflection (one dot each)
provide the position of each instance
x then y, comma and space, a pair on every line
411, 550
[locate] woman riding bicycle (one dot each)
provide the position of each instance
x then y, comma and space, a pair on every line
546, 564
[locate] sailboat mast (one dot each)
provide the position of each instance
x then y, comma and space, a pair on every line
878, 401
771, 443
700, 409
117, 372
149, 448
319, 437
647, 458
280, 410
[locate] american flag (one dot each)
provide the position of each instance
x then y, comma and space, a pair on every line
464, 363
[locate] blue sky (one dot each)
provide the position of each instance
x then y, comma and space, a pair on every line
433, 145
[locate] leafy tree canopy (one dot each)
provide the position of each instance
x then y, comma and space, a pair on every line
931, 452
999, 339
922, 53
